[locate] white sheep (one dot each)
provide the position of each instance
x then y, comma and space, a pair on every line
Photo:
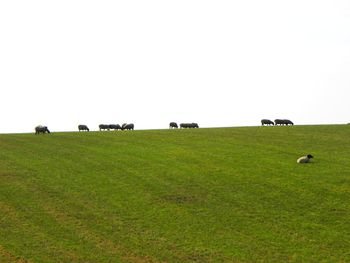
305, 159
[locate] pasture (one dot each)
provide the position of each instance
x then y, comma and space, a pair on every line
192, 195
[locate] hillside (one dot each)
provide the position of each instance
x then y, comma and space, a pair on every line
197, 195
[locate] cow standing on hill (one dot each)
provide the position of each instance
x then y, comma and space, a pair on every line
103, 127
283, 122
266, 122
41, 129
173, 125
82, 127
288, 122
114, 127
279, 122
189, 125
128, 126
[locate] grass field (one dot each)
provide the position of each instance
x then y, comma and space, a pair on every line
198, 195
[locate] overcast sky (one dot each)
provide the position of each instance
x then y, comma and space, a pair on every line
218, 63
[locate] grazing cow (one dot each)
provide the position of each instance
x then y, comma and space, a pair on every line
283, 122
173, 125
128, 126
114, 127
82, 127
103, 127
279, 122
305, 159
288, 122
189, 125
266, 122
41, 129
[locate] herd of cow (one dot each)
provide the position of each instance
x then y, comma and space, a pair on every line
107, 127
82, 127
172, 125
102, 127
277, 122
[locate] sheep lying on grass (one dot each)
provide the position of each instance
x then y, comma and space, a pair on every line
305, 159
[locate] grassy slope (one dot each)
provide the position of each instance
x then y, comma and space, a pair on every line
206, 195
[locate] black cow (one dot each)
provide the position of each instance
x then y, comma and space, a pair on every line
128, 126
283, 122
41, 129
103, 127
266, 122
114, 127
189, 125
173, 125
288, 122
185, 125
279, 122
83, 127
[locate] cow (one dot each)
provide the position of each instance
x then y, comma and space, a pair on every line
173, 125
83, 127
288, 122
114, 127
189, 125
279, 122
103, 127
128, 126
41, 129
266, 122
283, 122
194, 125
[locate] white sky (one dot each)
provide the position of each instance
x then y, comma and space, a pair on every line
218, 63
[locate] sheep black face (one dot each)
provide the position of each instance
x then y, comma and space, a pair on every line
305, 159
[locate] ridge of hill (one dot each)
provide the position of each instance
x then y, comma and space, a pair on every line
197, 195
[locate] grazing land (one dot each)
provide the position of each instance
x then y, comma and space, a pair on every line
194, 195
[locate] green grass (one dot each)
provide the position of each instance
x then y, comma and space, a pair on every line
199, 195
